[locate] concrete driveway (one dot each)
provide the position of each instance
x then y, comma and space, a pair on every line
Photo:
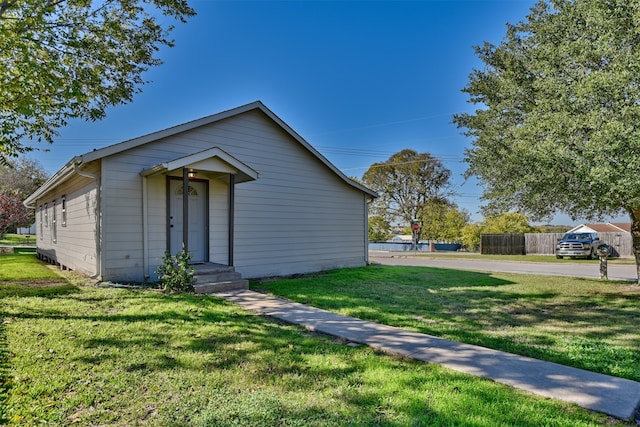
588, 269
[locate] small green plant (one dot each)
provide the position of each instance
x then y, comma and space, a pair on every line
175, 273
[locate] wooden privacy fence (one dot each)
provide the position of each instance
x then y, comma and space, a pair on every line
545, 243
542, 243
502, 244
620, 242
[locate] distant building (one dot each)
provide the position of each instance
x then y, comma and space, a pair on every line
609, 227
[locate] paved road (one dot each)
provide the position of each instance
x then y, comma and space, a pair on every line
579, 269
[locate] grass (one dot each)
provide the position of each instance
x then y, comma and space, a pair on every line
584, 323
23, 274
514, 258
17, 240
87, 355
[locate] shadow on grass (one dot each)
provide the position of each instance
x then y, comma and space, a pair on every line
252, 365
31, 289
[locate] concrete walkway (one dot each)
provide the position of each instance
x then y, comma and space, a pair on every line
613, 396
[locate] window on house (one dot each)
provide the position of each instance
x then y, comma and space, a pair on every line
192, 191
64, 211
54, 228
46, 215
41, 221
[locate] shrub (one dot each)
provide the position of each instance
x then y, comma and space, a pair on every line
175, 273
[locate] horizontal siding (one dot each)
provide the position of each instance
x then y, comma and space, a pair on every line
122, 234
219, 222
156, 217
75, 244
298, 216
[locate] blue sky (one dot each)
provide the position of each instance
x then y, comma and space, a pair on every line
359, 80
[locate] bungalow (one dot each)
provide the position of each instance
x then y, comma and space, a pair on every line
257, 199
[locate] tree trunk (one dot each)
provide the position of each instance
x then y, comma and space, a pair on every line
635, 237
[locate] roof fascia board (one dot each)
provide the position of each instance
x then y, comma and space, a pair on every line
198, 157
315, 152
62, 175
132, 143
617, 227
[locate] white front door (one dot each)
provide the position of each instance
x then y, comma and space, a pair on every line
197, 219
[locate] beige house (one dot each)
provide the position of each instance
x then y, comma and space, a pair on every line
259, 199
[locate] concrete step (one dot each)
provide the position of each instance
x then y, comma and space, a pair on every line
211, 268
223, 276
217, 278
232, 285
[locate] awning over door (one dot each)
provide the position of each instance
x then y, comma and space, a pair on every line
213, 160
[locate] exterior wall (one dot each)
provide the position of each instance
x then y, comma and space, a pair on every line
156, 214
73, 244
219, 221
297, 217
122, 232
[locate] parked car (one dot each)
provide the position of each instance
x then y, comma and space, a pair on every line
578, 245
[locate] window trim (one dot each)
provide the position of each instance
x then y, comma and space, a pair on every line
64, 211
54, 223
41, 222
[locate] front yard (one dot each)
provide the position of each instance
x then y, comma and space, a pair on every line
77, 354
588, 324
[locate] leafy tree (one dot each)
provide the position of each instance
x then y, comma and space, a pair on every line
407, 183
557, 125
470, 236
63, 59
13, 213
443, 221
552, 228
379, 229
22, 175
18, 179
509, 222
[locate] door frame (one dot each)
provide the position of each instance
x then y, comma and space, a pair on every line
171, 179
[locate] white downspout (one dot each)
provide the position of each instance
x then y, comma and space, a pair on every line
366, 230
145, 230
98, 219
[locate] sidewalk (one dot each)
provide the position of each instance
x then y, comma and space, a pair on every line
613, 396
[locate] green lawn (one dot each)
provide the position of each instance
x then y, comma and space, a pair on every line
514, 258
17, 240
76, 354
588, 324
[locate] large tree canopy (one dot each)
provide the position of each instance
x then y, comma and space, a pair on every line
63, 59
22, 176
559, 105
407, 183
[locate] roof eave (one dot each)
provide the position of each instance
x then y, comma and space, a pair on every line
62, 175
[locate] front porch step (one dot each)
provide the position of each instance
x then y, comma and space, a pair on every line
217, 278
209, 288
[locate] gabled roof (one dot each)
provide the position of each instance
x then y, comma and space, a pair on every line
75, 163
609, 227
624, 226
212, 160
256, 105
